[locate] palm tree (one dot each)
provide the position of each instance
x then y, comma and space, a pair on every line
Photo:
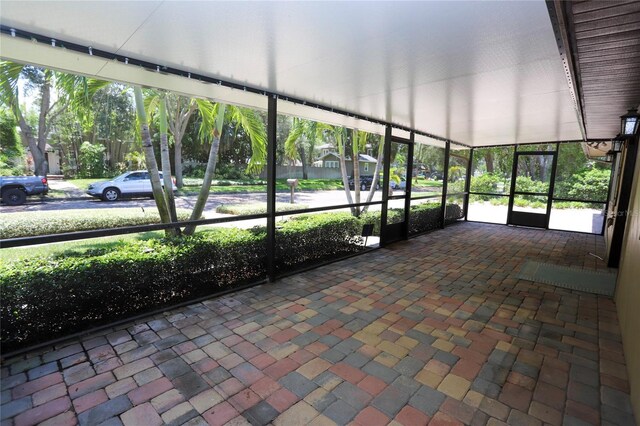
150, 159
179, 111
301, 142
213, 119
376, 175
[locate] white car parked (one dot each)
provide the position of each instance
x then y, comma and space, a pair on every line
127, 185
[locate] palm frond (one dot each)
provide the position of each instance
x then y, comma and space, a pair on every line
9, 76
207, 111
290, 147
252, 123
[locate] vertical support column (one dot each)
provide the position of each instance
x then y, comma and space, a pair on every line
385, 184
622, 213
445, 180
514, 173
607, 207
467, 184
272, 127
552, 183
407, 189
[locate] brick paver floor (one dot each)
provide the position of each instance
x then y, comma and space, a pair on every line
436, 330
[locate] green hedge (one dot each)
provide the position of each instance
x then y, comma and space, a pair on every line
30, 224
44, 298
313, 238
256, 208
422, 217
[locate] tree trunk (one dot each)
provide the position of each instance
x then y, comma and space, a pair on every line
488, 159
376, 176
166, 168
209, 171
39, 155
150, 158
177, 161
304, 162
343, 169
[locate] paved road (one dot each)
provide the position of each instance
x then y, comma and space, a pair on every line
311, 199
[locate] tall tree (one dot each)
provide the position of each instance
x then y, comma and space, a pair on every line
180, 109
213, 119
166, 162
69, 90
150, 159
301, 142
376, 175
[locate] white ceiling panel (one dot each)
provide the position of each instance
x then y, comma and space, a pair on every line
481, 73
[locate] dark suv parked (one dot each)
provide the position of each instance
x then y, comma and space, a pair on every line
365, 183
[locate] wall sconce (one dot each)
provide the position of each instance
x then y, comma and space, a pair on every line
617, 143
609, 157
630, 121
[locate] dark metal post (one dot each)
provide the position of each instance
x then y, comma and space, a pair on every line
467, 185
512, 189
552, 183
272, 127
445, 179
385, 184
622, 212
407, 189
606, 205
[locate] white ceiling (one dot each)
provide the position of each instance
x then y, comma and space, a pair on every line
480, 73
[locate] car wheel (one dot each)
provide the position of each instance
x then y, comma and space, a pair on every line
363, 187
110, 194
13, 197
377, 186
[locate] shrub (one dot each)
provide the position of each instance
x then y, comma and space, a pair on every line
91, 159
31, 224
526, 184
422, 217
256, 208
591, 184
485, 183
314, 238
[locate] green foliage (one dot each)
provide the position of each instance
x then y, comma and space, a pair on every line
422, 217
12, 153
590, 185
487, 182
256, 208
526, 184
91, 160
455, 187
309, 239
30, 224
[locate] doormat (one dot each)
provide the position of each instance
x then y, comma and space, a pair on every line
569, 277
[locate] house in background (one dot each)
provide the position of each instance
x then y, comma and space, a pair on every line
52, 155
331, 160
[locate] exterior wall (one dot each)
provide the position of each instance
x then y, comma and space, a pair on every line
53, 158
628, 293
